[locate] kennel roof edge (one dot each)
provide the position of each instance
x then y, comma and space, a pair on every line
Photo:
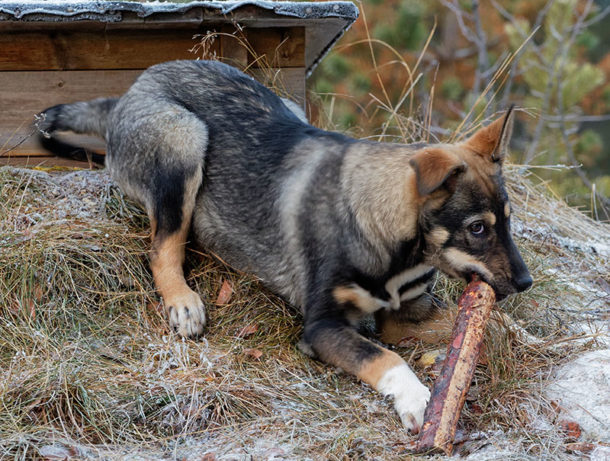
325, 22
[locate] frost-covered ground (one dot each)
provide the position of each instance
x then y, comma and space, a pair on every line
582, 389
149, 397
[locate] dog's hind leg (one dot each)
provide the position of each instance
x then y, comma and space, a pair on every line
159, 162
171, 222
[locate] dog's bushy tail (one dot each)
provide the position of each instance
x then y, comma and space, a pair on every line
87, 117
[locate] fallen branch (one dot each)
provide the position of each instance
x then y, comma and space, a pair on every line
451, 387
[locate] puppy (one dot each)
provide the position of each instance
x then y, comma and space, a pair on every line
341, 228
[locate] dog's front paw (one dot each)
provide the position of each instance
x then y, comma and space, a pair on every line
410, 395
186, 314
411, 407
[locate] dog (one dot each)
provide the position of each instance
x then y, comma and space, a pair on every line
341, 228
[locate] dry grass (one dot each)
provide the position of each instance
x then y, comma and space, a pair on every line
88, 363
89, 366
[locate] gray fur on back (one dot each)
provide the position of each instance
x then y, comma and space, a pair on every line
272, 200
197, 114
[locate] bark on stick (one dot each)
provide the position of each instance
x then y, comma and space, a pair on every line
450, 388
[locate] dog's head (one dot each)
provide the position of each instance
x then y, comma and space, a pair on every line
465, 209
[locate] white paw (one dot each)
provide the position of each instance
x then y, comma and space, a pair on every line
186, 314
411, 407
410, 395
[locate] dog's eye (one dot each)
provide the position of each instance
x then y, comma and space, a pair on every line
477, 228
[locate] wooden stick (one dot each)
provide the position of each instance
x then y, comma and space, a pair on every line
451, 387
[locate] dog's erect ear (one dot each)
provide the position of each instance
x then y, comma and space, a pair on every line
435, 168
492, 140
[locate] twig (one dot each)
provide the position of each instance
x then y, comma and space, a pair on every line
513, 70
479, 39
483, 60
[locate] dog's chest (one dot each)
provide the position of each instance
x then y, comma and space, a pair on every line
408, 284
390, 292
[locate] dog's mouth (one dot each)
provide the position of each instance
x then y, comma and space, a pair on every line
472, 272
473, 275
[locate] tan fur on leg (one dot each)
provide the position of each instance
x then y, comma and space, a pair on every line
184, 307
431, 331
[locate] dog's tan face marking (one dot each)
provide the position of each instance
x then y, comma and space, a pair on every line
460, 262
507, 209
487, 217
438, 236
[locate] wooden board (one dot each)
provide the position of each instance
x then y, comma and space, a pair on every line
45, 162
109, 49
277, 47
24, 94
138, 49
233, 47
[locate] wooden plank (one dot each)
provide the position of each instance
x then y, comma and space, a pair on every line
24, 94
108, 49
288, 82
46, 162
233, 47
138, 49
260, 48
277, 47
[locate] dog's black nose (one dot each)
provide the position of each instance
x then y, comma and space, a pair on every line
523, 282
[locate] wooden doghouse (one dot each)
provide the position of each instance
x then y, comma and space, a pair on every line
59, 51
